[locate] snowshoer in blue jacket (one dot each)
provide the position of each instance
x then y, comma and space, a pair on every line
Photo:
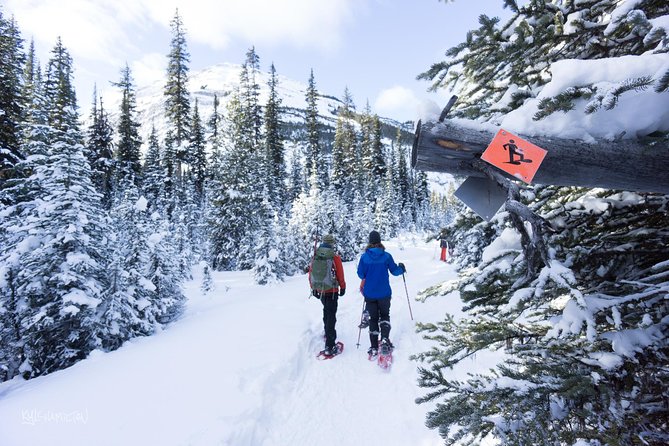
373, 269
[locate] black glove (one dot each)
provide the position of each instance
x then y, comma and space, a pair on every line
404, 268
316, 293
342, 291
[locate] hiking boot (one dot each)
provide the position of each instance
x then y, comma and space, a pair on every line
331, 351
364, 323
373, 352
386, 346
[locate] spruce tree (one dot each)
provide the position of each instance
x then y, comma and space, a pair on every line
314, 155
197, 149
126, 311
307, 224
249, 98
62, 278
227, 220
513, 60
170, 182
129, 142
237, 198
269, 264
100, 145
584, 336
12, 61
345, 149
274, 145
153, 173
177, 97
164, 271
215, 143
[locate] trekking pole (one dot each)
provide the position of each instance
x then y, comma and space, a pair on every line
362, 313
407, 291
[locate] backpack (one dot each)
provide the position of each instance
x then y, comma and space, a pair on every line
323, 275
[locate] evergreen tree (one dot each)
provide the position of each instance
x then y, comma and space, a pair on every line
269, 265
164, 272
100, 151
297, 180
512, 61
372, 168
126, 311
129, 141
207, 281
335, 217
20, 199
274, 145
585, 350
199, 168
226, 222
595, 371
307, 224
177, 97
153, 173
236, 200
403, 176
249, 98
387, 210
63, 276
170, 180
60, 97
315, 159
215, 130
12, 60
344, 149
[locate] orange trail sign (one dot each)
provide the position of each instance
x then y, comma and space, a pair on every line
514, 155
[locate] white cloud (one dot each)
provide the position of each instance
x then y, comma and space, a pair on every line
149, 68
296, 22
91, 30
398, 102
108, 30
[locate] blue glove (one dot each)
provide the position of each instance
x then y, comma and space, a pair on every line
404, 268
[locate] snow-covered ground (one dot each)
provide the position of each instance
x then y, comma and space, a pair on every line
240, 369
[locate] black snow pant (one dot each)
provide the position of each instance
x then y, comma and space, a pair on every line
329, 301
379, 315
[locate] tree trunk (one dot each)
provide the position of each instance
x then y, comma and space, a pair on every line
633, 165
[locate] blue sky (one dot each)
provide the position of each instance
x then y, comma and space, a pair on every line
374, 47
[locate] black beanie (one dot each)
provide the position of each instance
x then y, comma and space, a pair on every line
374, 238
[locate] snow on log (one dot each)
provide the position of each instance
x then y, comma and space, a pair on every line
634, 165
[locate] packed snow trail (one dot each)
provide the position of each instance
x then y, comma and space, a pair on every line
239, 369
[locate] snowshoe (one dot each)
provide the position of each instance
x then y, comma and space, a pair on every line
385, 358
329, 353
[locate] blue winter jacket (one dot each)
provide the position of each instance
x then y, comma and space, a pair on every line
373, 268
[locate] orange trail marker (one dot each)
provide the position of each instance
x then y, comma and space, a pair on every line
514, 155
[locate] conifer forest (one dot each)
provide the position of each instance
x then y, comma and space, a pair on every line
100, 227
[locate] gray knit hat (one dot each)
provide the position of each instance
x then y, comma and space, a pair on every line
329, 239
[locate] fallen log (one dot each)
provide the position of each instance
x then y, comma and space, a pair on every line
626, 164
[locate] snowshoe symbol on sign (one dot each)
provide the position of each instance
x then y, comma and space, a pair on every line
514, 155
